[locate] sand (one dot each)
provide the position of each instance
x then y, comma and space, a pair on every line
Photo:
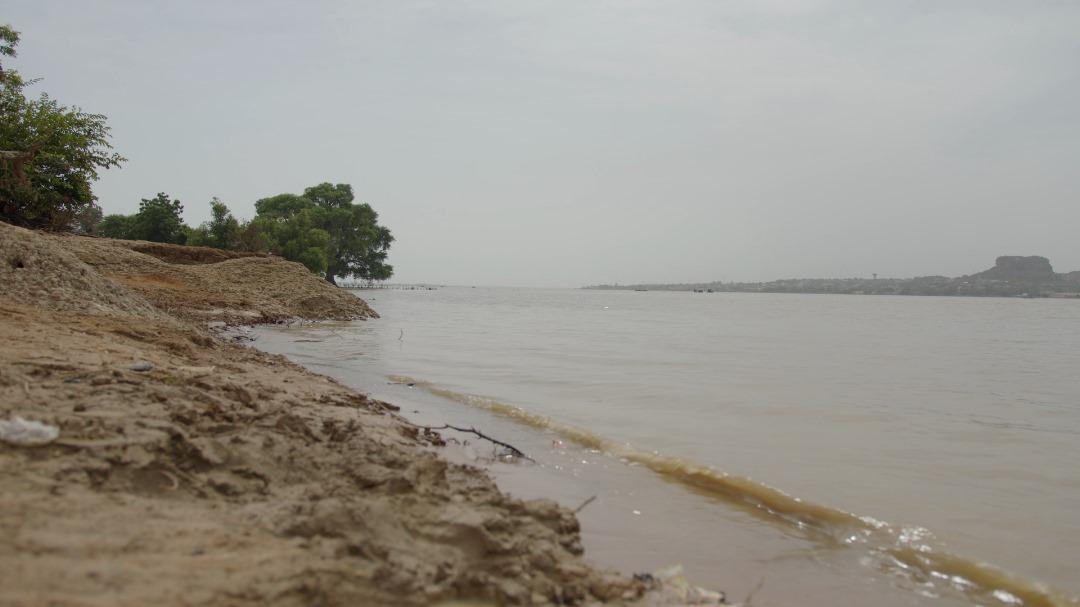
221, 475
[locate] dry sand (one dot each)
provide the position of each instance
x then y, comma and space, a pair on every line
227, 476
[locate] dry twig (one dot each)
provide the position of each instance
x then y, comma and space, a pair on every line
514, 450
583, 504
750, 597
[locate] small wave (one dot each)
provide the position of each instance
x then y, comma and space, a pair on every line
910, 553
1010, 425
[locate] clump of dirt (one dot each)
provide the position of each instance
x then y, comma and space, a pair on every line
189, 470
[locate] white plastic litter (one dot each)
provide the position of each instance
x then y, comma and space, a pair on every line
27, 433
673, 583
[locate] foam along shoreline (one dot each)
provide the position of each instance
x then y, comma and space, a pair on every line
189, 469
908, 552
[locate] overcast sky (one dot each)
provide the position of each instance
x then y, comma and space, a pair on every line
565, 143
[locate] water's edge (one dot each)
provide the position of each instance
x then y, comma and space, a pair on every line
908, 552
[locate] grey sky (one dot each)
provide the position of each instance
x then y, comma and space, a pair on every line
565, 143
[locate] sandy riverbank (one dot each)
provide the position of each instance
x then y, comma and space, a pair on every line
193, 470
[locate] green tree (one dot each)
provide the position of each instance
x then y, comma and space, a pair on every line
224, 228
297, 239
197, 237
87, 221
9, 40
50, 154
286, 222
282, 207
356, 245
330, 196
223, 231
159, 220
253, 237
116, 226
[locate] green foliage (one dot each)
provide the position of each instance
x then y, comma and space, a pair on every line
50, 154
282, 207
329, 196
360, 243
9, 39
116, 226
322, 229
253, 238
355, 244
159, 220
196, 237
298, 239
87, 221
223, 231
224, 228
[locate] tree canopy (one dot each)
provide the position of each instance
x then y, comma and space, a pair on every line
223, 231
326, 231
159, 220
50, 154
116, 226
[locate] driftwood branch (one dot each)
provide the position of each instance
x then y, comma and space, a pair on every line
750, 597
583, 504
514, 450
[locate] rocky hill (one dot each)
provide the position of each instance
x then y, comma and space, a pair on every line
1028, 270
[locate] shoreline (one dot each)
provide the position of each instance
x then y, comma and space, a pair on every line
527, 403
192, 469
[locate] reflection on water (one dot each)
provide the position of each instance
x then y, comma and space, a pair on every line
956, 415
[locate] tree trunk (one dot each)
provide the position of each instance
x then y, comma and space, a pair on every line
17, 160
330, 279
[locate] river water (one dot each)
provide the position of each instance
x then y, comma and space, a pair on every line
854, 450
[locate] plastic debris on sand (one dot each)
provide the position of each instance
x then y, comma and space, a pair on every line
27, 433
673, 584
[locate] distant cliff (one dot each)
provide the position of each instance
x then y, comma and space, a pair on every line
1011, 276
1027, 270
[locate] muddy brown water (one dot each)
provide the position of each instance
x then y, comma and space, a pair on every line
820, 449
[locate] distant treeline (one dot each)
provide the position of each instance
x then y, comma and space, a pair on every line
322, 228
1010, 277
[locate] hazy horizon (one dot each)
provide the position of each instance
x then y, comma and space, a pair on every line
567, 144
